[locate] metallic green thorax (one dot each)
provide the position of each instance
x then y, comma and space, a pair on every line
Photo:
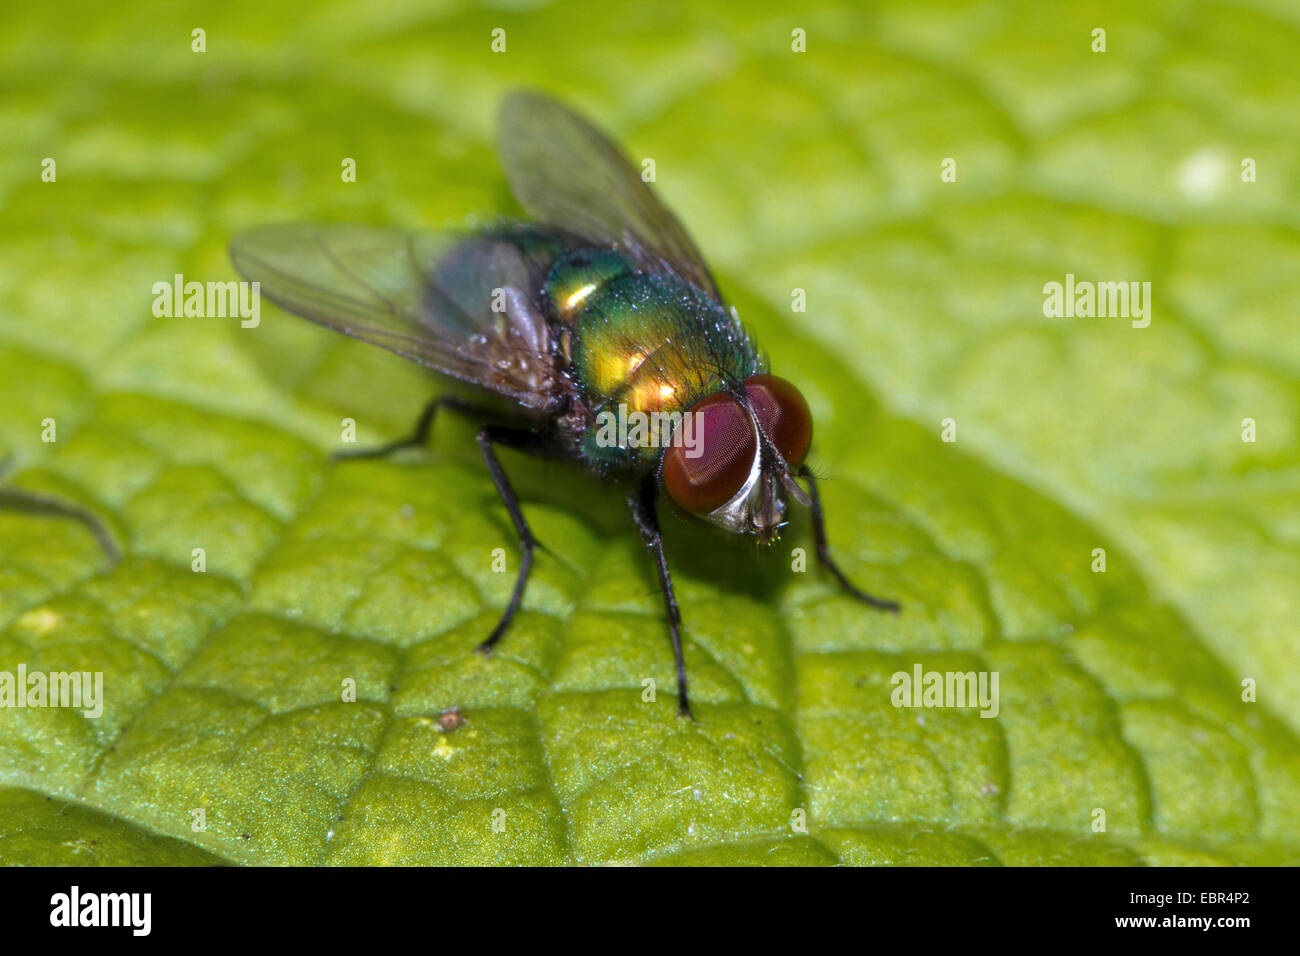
643, 342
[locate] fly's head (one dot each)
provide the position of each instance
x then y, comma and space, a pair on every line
732, 458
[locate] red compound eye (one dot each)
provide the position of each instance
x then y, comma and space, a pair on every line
727, 447
783, 414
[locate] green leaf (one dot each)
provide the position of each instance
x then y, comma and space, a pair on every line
1120, 691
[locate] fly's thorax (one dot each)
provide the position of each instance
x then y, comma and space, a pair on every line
641, 347
646, 347
654, 343
579, 273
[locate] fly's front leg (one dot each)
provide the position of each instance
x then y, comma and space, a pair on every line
824, 550
642, 502
420, 433
34, 502
516, 438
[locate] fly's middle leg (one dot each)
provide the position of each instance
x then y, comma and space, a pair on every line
488, 436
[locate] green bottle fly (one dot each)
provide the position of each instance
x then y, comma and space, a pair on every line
599, 325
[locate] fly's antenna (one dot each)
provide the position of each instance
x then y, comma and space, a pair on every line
792, 486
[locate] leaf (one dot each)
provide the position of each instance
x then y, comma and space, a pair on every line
1120, 691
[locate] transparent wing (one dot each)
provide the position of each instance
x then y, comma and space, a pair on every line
568, 174
426, 296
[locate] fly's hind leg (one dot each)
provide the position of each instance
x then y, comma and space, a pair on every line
35, 502
824, 551
420, 433
488, 436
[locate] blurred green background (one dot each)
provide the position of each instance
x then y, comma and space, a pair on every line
820, 170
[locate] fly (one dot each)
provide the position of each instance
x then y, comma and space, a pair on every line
601, 306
